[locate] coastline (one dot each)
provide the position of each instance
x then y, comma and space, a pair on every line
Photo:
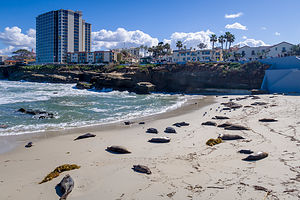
185, 168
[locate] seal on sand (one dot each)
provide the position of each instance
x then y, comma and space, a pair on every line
66, 185
230, 137
117, 149
141, 169
170, 130
160, 140
87, 135
256, 156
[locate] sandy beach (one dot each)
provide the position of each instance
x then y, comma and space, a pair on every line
185, 168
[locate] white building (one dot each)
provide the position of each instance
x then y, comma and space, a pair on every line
3, 58
280, 50
188, 55
91, 57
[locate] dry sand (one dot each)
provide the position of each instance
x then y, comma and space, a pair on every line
185, 168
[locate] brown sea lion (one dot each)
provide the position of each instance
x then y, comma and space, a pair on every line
256, 156
160, 140
141, 169
117, 149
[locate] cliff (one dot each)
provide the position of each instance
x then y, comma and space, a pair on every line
189, 78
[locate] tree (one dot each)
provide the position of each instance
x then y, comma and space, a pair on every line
231, 39
295, 50
221, 40
227, 36
22, 54
213, 39
201, 45
179, 44
160, 50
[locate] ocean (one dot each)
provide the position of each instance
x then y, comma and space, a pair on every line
73, 107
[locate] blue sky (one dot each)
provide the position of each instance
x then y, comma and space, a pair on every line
263, 21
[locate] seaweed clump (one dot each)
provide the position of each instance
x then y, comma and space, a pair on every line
55, 173
212, 142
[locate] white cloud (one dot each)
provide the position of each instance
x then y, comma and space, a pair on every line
191, 39
263, 28
277, 33
251, 42
236, 25
106, 39
244, 37
232, 16
14, 39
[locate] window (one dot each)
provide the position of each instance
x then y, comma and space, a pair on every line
253, 53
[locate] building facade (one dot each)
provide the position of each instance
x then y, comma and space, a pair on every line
189, 55
59, 32
91, 57
3, 58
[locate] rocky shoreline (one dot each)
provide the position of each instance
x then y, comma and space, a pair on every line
171, 78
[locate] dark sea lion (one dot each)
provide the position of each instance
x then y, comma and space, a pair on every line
141, 169
170, 130
220, 117
29, 144
245, 151
117, 149
141, 122
259, 103
230, 137
256, 156
87, 135
179, 124
160, 140
152, 130
209, 123
66, 185
236, 127
267, 120
128, 123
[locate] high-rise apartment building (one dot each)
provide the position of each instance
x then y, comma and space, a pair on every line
59, 32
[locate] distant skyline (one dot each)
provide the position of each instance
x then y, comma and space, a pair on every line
119, 23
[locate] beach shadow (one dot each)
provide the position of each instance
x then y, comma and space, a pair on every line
113, 152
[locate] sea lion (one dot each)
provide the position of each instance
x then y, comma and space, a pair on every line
236, 127
141, 169
256, 156
209, 123
87, 135
259, 103
170, 130
128, 123
267, 120
117, 149
29, 144
152, 130
179, 124
141, 122
226, 124
220, 117
230, 137
245, 151
66, 185
160, 140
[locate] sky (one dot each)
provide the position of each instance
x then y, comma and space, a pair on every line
127, 23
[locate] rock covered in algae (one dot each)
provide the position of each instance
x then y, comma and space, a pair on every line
212, 142
55, 173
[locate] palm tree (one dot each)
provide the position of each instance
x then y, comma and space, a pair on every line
179, 44
227, 36
221, 40
213, 39
231, 39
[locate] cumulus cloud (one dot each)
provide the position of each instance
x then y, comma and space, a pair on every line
232, 16
236, 25
106, 39
190, 39
14, 39
251, 42
277, 33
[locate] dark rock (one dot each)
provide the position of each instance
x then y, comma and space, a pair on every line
39, 114
170, 130
267, 120
245, 151
117, 149
230, 137
144, 88
29, 144
142, 169
160, 140
236, 127
3, 126
84, 85
256, 156
179, 124
152, 130
209, 123
87, 135
220, 117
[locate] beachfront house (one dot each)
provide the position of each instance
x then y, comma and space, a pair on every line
91, 57
190, 55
